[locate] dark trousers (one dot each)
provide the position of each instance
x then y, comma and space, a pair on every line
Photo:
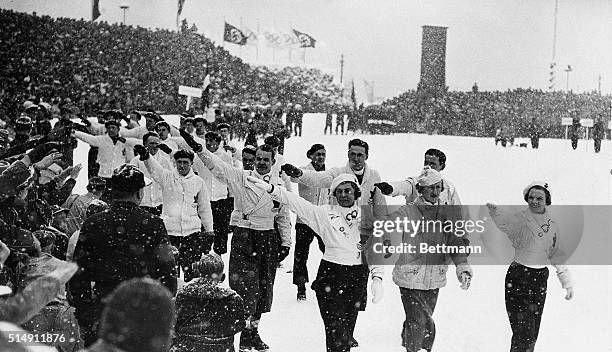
535, 142
341, 292
298, 129
419, 329
328, 124
107, 196
92, 162
597, 145
153, 210
222, 211
252, 267
190, 249
341, 125
525, 297
303, 238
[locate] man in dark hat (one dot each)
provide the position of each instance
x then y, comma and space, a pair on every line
119, 244
23, 129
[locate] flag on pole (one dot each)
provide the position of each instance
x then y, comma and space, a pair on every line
95, 10
206, 81
178, 14
306, 40
205, 101
234, 35
180, 7
353, 98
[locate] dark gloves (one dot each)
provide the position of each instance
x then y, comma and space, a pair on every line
164, 148
229, 148
42, 150
291, 170
384, 187
142, 151
197, 147
283, 253
121, 139
86, 122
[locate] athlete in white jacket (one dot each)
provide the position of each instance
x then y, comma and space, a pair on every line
186, 211
340, 285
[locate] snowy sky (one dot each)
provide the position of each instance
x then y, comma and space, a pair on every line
499, 44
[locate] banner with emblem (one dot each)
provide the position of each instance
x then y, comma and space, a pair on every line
305, 40
234, 35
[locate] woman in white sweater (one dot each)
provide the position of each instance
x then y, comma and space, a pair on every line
535, 236
340, 284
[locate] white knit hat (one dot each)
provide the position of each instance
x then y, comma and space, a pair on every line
343, 178
429, 177
542, 184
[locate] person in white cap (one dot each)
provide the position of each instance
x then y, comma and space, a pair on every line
340, 284
358, 153
421, 275
536, 237
434, 158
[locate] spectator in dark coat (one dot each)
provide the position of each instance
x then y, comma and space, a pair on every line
598, 134
534, 133
208, 315
575, 132
117, 245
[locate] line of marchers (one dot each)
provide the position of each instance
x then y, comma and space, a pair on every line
424, 248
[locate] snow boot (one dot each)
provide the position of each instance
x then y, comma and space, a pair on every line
246, 340
256, 341
301, 293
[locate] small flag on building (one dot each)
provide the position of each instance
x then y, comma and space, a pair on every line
234, 35
95, 10
306, 41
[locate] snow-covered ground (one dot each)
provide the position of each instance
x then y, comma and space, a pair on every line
473, 320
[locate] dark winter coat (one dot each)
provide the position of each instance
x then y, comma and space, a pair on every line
208, 317
118, 244
16, 174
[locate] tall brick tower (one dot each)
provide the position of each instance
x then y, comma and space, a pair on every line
433, 59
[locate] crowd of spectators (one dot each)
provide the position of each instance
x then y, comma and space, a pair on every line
483, 113
100, 66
